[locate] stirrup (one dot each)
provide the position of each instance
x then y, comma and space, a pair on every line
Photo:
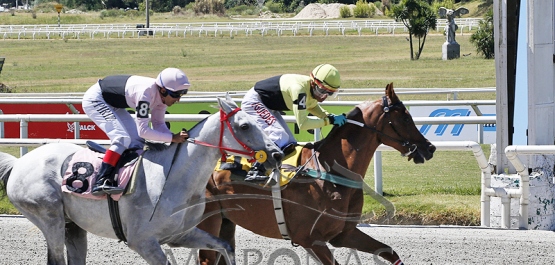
256, 177
257, 174
106, 188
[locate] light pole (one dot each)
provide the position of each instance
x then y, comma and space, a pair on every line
147, 15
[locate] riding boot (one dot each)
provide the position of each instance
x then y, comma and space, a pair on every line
257, 173
105, 183
288, 149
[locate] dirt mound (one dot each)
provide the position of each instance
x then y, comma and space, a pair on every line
318, 11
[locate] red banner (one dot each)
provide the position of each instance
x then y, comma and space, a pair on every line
53, 130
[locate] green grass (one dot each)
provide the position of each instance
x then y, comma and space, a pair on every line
444, 190
219, 64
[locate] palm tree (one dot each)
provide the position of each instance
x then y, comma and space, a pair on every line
419, 18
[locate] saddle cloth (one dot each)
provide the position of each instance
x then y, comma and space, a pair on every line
81, 174
240, 165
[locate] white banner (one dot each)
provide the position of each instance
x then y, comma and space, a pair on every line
455, 132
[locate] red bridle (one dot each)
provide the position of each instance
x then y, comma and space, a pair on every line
224, 120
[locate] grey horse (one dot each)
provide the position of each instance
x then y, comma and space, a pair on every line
168, 201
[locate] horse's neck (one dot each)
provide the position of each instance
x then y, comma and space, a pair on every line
182, 170
357, 150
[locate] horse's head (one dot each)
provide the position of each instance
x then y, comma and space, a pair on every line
396, 127
241, 133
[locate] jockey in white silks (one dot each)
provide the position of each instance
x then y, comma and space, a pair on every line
298, 93
105, 103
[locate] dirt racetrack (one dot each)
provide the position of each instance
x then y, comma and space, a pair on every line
22, 243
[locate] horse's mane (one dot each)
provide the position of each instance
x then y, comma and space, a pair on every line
156, 146
352, 115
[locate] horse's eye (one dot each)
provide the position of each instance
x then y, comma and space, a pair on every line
244, 127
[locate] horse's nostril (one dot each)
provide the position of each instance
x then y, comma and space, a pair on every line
432, 148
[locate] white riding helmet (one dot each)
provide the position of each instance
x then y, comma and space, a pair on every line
173, 79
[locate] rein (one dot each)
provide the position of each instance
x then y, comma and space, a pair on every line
386, 109
224, 120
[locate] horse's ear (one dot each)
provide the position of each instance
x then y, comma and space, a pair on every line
227, 105
228, 96
223, 105
390, 93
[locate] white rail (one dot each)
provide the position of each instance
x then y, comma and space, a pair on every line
485, 168
474, 147
76, 97
262, 27
523, 192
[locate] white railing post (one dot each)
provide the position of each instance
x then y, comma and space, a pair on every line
1, 126
23, 134
378, 182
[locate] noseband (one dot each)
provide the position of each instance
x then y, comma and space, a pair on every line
386, 109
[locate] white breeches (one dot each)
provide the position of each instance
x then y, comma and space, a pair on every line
117, 123
269, 120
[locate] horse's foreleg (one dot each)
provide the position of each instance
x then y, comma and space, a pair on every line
358, 240
201, 239
227, 233
211, 225
76, 244
150, 250
320, 251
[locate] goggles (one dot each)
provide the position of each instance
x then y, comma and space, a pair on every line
176, 94
320, 89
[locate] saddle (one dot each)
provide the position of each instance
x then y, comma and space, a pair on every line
239, 166
81, 168
289, 170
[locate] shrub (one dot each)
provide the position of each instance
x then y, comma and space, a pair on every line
449, 4
215, 7
176, 10
345, 11
372, 12
241, 10
275, 7
483, 37
362, 9
111, 13
190, 6
379, 5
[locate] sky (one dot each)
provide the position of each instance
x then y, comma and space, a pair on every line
521, 89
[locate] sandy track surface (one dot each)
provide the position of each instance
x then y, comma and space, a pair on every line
22, 243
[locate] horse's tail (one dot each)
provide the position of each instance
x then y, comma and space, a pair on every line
6, 164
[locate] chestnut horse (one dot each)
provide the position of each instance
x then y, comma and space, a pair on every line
317, 211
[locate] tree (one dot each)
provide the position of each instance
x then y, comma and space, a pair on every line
483, 37
419, 18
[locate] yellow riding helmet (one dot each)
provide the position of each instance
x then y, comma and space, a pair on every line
328, 75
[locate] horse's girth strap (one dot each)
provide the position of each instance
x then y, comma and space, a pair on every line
278, 209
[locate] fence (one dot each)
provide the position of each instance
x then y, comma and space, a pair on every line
24, 142
451, 93
248, 28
